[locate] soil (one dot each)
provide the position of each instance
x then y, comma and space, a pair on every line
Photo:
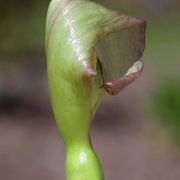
128, 143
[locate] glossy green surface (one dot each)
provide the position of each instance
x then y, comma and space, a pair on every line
74, 27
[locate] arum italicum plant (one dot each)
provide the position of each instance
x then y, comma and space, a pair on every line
90, 50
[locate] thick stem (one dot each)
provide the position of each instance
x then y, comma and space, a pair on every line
82, 163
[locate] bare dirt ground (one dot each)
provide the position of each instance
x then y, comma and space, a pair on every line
30, 148
128, 144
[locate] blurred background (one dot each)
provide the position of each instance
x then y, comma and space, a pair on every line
135, 134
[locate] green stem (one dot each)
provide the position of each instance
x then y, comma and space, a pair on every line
82, 163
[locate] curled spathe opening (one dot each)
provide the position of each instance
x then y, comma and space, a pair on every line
118, 54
